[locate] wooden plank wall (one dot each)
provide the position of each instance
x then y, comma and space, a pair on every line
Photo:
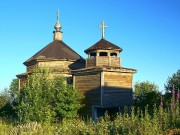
89, 85
117, 90
55, 64
62, 65
115, 61
91, 62
30, 68
103, 60
118, 79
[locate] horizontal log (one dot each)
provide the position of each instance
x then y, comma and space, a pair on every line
116, 93
118, 84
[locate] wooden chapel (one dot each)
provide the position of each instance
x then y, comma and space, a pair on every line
107, 86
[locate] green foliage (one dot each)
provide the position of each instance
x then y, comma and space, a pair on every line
145, 87
44, 98
173, 81
4, 97
5, 105
146, 94
66, 99
163, 122
172, 88
14, 87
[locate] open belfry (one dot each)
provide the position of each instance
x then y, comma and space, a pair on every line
107, 86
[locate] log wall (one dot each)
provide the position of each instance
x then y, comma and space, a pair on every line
117, 89
62, 65
30, 68
90, 62
89, 85
103, 61
115, 62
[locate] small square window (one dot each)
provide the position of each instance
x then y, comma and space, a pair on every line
114, 54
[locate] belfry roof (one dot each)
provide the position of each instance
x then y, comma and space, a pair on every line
56, 50
104, 45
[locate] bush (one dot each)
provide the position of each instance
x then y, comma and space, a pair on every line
146, 94
45, 98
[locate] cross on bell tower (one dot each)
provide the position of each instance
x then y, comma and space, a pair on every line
102, 29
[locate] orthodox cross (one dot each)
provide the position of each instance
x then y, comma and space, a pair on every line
102, 29
57, 15
57, 25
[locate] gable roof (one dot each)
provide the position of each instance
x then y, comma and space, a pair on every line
55, 50
103, 44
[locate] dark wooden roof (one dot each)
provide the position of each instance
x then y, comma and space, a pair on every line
103, 44
56, 50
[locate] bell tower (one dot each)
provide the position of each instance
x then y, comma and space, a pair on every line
103, 53
107, 85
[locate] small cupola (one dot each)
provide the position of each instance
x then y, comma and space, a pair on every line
103, 53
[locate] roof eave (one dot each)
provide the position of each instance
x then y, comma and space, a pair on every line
90, 50
34, 61
105, 68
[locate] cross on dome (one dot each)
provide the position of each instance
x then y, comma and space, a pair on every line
102, 29
57, 15
57, 25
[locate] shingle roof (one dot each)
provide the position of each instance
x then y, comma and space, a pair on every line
103, 44
55, 50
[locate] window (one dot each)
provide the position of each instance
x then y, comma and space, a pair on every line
114, 54
93, 54
69, 80
103, 54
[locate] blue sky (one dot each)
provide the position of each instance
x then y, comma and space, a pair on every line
147, 30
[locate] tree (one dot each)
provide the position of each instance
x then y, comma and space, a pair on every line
14, 88
7, 98
4, 97
145, 87
172, 88
173, 81
45, 97
146, 93
5, 105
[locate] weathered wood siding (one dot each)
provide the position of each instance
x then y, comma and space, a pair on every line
103, 61
89, 85
115, 61
31, 68
62, 65
117, 89
90, 62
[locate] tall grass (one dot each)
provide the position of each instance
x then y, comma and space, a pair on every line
162, 122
